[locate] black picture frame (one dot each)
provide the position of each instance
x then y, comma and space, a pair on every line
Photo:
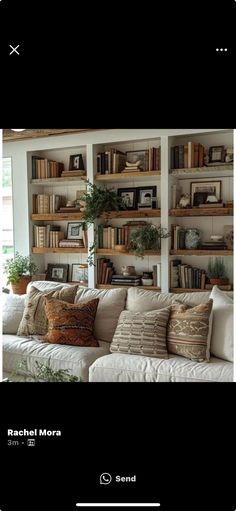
76, 162
129, 196
147, 197
57, 272
75, 231
217, 154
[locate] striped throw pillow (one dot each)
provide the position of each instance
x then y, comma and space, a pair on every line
142, 333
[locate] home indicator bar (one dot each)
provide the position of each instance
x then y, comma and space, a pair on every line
118, 505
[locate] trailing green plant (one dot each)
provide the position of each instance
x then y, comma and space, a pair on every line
19, 266
216, 268
43, 373
147, 237
97, 201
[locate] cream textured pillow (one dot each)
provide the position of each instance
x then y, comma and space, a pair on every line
188, 332
140, 333
34, 321
222, 343
12, 312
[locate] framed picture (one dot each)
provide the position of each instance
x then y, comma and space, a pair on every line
201, 190
141, 157
217, 154
147, 197
79, 273
129, 196
74, 231
57, 272
76, 162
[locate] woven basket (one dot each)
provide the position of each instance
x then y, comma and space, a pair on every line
20, 287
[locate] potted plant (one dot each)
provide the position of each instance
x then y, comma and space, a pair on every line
147, 237
98, 201
217, 272
95, 203
19, 272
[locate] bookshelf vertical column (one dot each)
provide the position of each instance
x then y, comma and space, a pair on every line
165, 220
91, 168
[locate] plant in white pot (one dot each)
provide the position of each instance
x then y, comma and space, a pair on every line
19, 272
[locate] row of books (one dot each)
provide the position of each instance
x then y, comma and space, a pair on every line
105, 271
47, 236
114, 161
187, 156
185, 276
44, 204
111, 162
109, 236
42, 168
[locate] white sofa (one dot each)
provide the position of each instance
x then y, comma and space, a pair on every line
98, 364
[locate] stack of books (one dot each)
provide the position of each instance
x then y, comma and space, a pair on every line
214, 245
73, 173
132, 168
71, 243
131, 280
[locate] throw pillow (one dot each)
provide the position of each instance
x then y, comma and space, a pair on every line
71, 323
34, 321
140, 333
12, 312
222, 344
188, 331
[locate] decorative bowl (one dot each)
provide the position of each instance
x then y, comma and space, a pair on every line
147, 282
120, 248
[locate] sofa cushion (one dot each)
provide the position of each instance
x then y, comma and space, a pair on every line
119, 367
76, 359
188, 331
222, 344
111, 304
142, 333
34, 321
141, 300
71, 323
12, 312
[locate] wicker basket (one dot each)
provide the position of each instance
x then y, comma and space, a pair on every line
20, 287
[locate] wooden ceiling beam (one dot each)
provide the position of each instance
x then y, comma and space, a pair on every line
15, 135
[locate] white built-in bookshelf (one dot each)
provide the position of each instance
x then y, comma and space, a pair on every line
91, 146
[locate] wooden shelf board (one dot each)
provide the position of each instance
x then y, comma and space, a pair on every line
59, 250
111, 252
57, 180
150, 213
202, 212
110, 286
201, 252
216, 171
127, 176
57, 217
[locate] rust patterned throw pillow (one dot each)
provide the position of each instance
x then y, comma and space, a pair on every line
71, 324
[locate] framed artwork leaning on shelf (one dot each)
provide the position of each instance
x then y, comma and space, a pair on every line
147, 197
201, 190
129, 196
75, 231
76, 162
141, 157
57, 272
79, 273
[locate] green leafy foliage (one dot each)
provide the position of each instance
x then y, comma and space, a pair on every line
18, 266
98, 201
147, 237
216, 268
43, 373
